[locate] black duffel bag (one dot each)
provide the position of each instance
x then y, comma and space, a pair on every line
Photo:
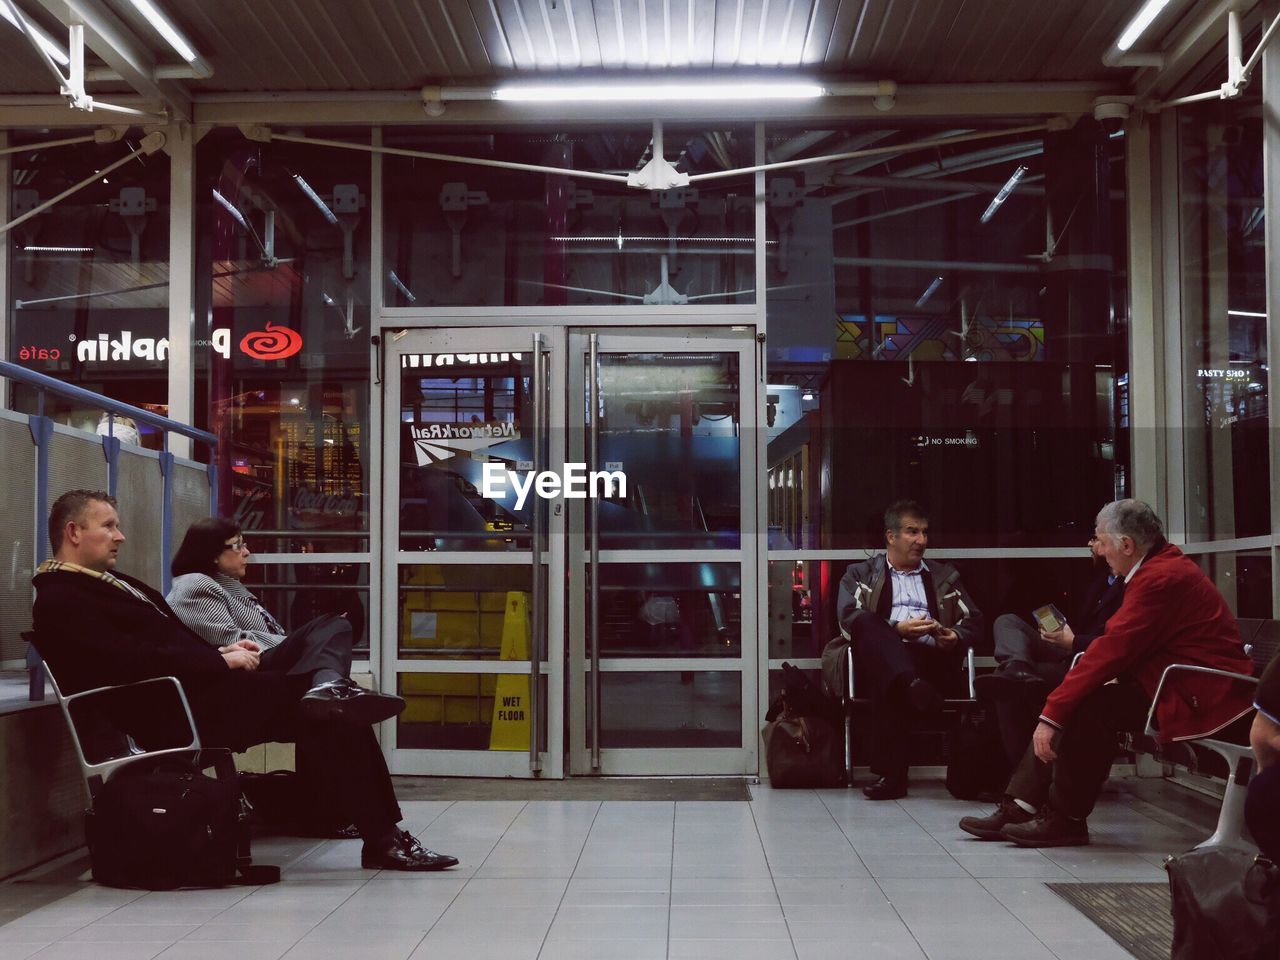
802, 744
1226, 905
977, 766
167, 824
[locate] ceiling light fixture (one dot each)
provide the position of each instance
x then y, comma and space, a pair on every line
232, 209
315, 198
47, 43
1150, 10
998, 200
690, 90
57, 249
1234, 313
929, 291
164, 26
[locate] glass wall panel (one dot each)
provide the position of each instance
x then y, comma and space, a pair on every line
463, 235
89, 278
683, 610
282, 339
945, 322
464, 612
1224, 321
1244, 578
465, 711
652, 709
296, 593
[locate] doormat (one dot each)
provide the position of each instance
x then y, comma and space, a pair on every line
1135, 915
582, 788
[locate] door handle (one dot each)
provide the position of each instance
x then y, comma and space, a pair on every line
593, 457
538, 581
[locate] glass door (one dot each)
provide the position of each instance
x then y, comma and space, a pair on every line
660, 577
467, 558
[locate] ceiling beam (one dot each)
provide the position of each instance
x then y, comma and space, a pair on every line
124, 52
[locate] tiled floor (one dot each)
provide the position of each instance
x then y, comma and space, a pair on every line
800, 875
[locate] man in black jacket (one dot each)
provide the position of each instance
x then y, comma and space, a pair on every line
909, 623
1033, 662
1263, 800
95, 627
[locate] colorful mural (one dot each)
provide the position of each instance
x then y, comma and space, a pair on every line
925, 339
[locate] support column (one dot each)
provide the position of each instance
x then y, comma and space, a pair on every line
180, 145
6, 180
1271, 204
1148, 477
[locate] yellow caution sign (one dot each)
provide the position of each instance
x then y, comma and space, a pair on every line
510, 729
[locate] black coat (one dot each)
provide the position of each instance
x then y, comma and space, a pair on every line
1101, 601
94, 634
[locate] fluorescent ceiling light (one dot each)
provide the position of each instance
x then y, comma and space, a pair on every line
929, 291
231, 209
166, 29
408, 295
1150, 10
1003, 195
57, 249
618, 92
47, 44
315, 198
1234, 313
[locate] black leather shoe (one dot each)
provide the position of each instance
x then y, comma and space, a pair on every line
924, 696
989, 828
1013, 680
886, 788
404, 852
1049, 829
344, 700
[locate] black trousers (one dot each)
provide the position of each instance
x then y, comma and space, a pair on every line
1087, 746
323, 643
345, 763
1261, 810
1018, 714
884, 667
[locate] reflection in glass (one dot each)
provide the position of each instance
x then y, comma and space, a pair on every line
461, 235
88, 280
913, 342
296, 593
673, 424
670, 610
1223, 225
282, 347
458, 413
465, 711
699, 709
464, 612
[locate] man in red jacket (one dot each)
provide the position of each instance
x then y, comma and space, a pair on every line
1172, 613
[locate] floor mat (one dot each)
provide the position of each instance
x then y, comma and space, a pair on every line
582, 788
1135, 915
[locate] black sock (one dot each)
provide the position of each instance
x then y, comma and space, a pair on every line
325, 676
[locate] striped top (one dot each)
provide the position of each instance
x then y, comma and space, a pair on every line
222, 611
909, 599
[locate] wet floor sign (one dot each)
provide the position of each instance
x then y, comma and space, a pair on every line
510, 729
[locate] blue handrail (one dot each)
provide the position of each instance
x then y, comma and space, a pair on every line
43, 382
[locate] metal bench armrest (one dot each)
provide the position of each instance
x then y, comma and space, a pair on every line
1151, 729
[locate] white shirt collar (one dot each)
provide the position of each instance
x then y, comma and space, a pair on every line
920, 568
1129, 576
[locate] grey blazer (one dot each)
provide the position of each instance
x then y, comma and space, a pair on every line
222, 611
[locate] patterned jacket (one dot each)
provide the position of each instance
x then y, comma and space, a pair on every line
222, 611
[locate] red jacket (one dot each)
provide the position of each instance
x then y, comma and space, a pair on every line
1172, 613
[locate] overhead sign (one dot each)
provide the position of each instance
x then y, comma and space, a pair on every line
273, 343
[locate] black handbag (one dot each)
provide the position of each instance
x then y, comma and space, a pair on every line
1226, 905
167, 824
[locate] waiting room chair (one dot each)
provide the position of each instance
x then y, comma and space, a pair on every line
848, 698
102, 747
1261, 642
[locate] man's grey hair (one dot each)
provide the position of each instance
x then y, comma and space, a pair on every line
1133, 519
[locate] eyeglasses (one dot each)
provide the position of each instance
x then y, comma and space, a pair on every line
237, 544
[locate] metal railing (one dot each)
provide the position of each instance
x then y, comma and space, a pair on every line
42, 434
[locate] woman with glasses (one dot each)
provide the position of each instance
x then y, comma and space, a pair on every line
208, 596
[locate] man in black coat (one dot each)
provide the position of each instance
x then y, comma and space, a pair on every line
1262, 807
95, 627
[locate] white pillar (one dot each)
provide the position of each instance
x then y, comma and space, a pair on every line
180, 145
